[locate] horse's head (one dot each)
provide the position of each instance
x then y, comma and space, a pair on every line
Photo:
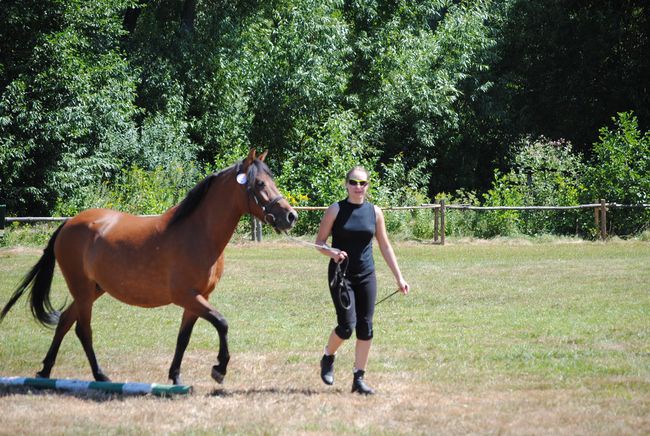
264, 199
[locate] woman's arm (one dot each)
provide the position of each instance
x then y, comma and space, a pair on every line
324, 232
387, 250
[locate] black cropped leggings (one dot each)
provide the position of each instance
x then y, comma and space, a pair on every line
362, 291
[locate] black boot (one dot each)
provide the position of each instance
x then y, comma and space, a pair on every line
327, 369
359, 385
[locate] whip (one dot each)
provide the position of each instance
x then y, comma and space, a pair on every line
387, 297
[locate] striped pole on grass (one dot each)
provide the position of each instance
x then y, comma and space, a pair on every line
80, 386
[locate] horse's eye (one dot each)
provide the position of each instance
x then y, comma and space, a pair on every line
260, 184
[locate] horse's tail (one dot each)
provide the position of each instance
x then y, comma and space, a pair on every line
39, 278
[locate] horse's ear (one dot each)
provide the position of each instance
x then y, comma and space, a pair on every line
250, 158
263, 155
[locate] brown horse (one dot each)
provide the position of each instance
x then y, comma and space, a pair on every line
153, 261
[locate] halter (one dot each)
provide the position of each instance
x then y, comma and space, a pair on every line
265, 207
268, 217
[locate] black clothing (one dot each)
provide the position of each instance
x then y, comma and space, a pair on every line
359, 385
362, 291
352, 232
327, 369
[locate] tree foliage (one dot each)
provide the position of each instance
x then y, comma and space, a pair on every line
565, 68
66, 112
620, 172
437, 91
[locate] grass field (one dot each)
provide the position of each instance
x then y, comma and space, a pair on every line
496, 337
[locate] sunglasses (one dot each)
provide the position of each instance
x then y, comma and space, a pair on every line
355, 182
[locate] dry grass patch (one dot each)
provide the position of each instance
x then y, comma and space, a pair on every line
264, 394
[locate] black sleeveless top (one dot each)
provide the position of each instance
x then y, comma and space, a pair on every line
352, 232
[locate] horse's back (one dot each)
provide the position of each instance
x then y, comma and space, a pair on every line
94, 226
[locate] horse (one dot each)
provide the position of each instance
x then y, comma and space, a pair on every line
151, 261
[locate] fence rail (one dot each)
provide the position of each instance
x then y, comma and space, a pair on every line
600, 215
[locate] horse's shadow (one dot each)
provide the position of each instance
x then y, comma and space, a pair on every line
306, 392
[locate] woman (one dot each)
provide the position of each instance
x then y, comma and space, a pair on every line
352, 223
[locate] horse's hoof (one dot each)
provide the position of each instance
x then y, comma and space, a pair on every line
42, 374
102, 378
216, 375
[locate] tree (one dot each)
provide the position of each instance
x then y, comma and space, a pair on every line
415, 66
565, 68
619, 172
65, 111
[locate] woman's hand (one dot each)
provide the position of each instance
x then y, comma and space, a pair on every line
403, 286
338, 256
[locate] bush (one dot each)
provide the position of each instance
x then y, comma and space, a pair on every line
27, 235
136, 191
544, 173
314, 175
620, 173
460, 223
398, 186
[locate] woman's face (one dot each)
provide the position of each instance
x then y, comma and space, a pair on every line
357, 185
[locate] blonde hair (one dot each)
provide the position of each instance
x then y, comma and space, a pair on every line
357, 168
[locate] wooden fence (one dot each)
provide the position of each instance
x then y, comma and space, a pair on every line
439, 215
440, 211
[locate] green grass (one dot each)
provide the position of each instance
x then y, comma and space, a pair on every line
567, 321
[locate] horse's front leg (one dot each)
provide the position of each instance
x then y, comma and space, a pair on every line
184, 333
202, 308
219, 370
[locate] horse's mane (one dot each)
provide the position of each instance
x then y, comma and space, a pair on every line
196, 194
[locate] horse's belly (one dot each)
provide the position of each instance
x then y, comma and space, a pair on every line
136, 294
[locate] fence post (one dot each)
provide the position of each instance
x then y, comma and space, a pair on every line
3, 210
436, 217
256, 229
442, 222
603, 219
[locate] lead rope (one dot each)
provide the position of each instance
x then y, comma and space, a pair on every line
324, 246
338, 283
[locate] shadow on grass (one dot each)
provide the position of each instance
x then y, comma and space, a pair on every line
306, 392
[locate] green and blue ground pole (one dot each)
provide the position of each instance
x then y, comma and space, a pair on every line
87, 386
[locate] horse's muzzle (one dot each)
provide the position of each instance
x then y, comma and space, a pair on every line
282, 220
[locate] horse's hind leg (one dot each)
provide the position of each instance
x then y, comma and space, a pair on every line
187, 324
85, 335
66, 319
85, 292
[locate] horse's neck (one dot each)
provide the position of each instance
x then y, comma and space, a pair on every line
216, 218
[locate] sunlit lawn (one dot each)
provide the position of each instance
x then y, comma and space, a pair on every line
495, 337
